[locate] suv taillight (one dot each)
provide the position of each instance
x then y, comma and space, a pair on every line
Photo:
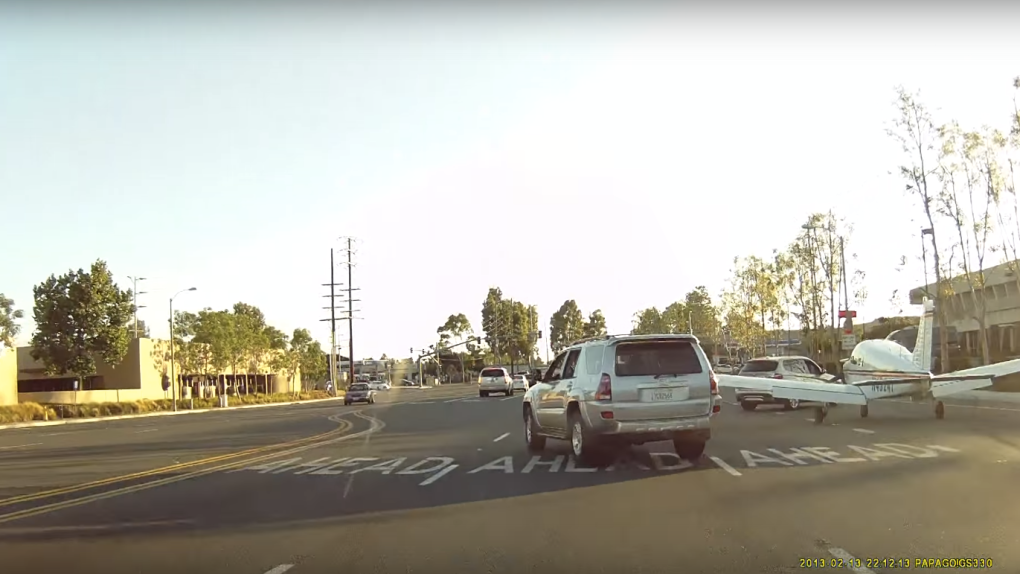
777, 376
605, 390
713, 384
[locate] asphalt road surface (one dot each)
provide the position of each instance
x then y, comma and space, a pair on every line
439, 480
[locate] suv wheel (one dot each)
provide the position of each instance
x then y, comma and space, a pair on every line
791, 405
688, 449
534, 441
582, 445
748, 406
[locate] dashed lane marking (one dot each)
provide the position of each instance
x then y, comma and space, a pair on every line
864, 431
280, 569
146, 430
501, 437
19, 446
510, 398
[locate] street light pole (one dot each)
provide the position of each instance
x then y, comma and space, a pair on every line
134, 296
173, 376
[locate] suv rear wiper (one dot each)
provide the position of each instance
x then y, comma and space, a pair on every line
667, 375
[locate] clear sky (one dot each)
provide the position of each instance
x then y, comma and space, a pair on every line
618, 157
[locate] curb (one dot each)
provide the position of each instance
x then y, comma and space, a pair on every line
33, 424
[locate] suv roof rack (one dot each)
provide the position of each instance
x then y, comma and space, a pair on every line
629, 335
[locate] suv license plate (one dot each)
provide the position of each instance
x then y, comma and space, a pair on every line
661, 395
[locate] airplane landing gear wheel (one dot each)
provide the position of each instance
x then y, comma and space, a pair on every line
940, 410
820, 414
864, 411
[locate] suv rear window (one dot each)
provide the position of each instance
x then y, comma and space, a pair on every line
650, 358
359, 387
759, 367
491, 373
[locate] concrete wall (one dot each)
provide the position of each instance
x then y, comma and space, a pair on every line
8, 376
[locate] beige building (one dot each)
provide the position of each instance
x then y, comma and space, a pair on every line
8, 376
142, 374
1001, 294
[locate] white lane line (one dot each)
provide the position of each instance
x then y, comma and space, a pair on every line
725, 466
510, 398
19, 446
501, 437
852, 564
864, 431
780, 414
942, 448
280, 569
146, 430
438, 475
810, 420
454, 400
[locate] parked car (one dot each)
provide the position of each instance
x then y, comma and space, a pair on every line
613, 391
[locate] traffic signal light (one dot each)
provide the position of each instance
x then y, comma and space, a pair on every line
411, 351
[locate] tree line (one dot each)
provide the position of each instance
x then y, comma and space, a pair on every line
509, 334
963, 180
83, 315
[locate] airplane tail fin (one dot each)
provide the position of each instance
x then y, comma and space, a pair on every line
924, 346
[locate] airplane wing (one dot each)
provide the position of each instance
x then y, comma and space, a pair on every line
975, 378
821, 392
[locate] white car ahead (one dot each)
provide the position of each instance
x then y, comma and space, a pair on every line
379, 386
520, 383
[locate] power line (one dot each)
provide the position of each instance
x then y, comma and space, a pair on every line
348, 248
332, 316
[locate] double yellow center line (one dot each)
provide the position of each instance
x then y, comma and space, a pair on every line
235, 459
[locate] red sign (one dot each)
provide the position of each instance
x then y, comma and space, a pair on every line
843, 314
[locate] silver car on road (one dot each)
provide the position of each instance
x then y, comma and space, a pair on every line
494, 380
612, 391
359, 393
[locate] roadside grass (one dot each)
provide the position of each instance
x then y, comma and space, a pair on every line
26, 412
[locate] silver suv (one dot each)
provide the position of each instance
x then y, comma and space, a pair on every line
494, 380
617, 390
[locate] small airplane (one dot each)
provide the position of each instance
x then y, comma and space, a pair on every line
882, 369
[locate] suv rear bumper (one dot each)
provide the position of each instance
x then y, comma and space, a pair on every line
490, 388
646, 430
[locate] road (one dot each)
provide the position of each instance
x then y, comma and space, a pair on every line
438, 479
